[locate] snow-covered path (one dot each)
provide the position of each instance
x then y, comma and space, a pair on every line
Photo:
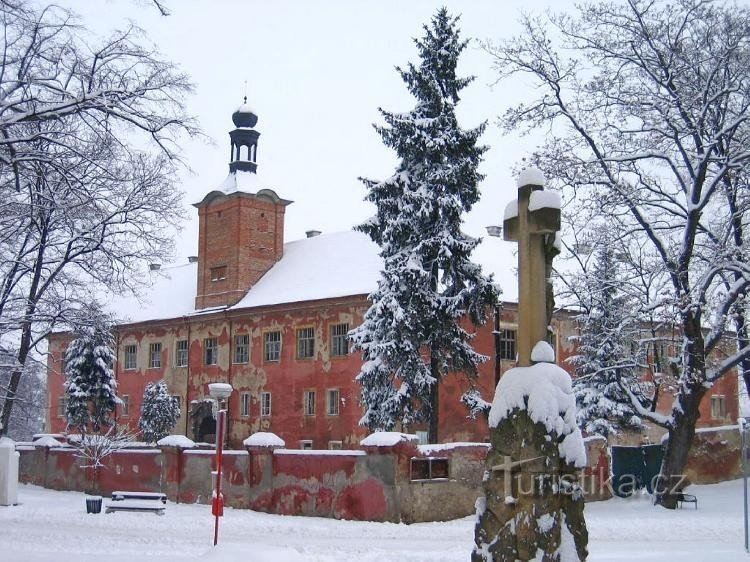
49, 526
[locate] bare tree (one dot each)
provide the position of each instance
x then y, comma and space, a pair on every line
88, 162
646, 104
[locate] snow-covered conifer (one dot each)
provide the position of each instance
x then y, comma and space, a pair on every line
159, 412
605, 358
411, 337
90, 381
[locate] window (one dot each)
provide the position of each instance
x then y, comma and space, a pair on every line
305, 343
306, 444
332, 402
242, 348
335, 445
131, 355
507, 344
718, 407
154, 355
210, 351
272, 344
245, 404
339, 340
62, 406
423, 437
219, 273
125, 406
309, 402
265, 404
181, 353
430, 469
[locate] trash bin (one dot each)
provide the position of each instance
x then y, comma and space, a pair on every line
94, 504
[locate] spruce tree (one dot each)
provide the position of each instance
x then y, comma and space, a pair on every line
605, 343
159, 412
411, 337
90, 381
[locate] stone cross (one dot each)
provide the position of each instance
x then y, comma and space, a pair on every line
532, 220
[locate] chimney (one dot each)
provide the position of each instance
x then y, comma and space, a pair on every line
312, 233
192, 259
154, 266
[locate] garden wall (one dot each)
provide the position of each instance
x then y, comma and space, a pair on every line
390, 478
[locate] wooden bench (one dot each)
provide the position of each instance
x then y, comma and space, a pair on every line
143, 502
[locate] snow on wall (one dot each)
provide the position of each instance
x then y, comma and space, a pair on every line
530, 176
176, 441
511, 210
264, 439
387, 439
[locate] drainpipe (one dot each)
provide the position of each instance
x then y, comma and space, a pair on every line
187, 381
229, 377
498, 310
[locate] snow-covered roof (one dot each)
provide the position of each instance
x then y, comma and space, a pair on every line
326, 266
242, 180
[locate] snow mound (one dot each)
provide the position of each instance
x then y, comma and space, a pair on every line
387, 439
47, 441
542, 199
545, 391
543, 353
264, 439
220, 388
176, 441
511, 210
7, 443
530, 176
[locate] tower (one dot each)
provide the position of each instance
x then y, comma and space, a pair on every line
241, 234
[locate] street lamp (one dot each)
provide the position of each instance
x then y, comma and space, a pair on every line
219, 391
494, 230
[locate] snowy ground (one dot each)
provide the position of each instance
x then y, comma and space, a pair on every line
49, 526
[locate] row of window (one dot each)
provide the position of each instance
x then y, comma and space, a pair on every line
333, 399
62, 404
271, 348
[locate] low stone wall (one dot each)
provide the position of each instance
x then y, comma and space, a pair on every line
715, 456
385, 481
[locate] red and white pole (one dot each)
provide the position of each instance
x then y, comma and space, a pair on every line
217, 505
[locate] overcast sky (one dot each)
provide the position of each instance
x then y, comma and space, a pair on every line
316, 73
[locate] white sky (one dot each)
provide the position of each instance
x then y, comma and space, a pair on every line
316, 73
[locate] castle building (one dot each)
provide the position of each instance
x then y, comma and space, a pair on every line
271, 319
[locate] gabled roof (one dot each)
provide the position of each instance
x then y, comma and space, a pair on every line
326, 266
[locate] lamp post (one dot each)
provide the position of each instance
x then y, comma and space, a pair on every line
220, 392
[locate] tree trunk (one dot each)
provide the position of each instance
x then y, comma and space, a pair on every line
434, 401
686, 414
15, 379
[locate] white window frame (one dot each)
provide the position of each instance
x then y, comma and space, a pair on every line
245, 404
242, 348
62, 406
308, 402
181, 360
503, 339
127, 357
125, 406
306, 344
718, 406
154, 355
306, 444
333, 407
214, 345
266, 404
272, 347
340, 341
335, 445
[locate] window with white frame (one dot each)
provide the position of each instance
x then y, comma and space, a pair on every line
339, 340
718, 407
305, 343
309, 402
62, 406
306, 444
507, 345
181, 353
335, 445
265, 404
242, 348
125, 406
272, 346
245, 404
332, 402
210, 351
130, 357
154, 355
